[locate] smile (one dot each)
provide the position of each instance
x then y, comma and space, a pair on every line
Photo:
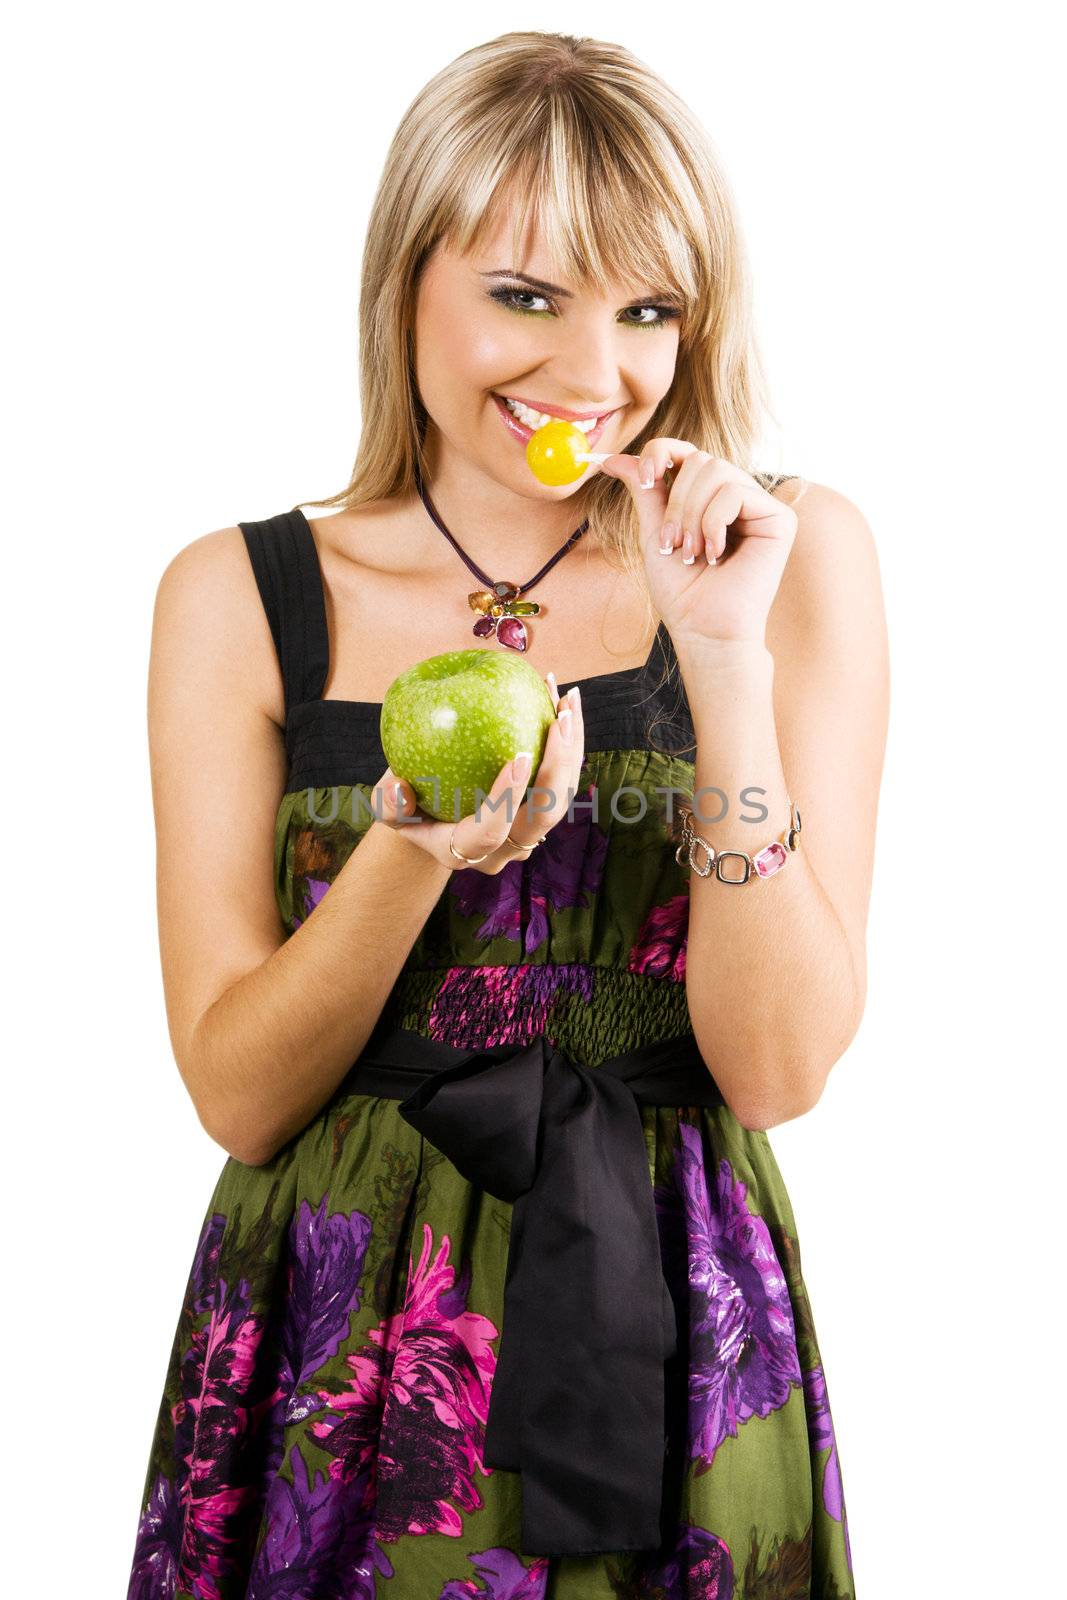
522, 420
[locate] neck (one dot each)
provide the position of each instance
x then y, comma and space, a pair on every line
499, 530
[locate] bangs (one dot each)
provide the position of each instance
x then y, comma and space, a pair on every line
606, 207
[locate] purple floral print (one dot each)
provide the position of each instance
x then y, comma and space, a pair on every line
503, 1576
188, 1526
821, 1431
700, 1564
660, 946
314, 890
564, 871
420, 1392
821, 1428
743, 1358
319, 1538
479, 1006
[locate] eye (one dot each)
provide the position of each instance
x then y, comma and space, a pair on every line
507, 297
663, 315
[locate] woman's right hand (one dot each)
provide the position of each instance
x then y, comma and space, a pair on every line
557, 779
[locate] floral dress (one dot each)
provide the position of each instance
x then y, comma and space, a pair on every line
323, 1427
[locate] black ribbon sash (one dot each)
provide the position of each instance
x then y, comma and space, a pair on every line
577, 1404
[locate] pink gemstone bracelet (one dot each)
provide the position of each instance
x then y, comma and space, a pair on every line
764, 864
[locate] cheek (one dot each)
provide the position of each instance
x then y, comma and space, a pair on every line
651, 365
492, 355
456, 357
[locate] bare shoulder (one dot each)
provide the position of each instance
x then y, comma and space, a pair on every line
833, 566
209, 620
826, 515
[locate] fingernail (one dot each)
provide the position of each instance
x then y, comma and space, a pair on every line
398, 795
520, 766
565, 718
574, 695
667, 537
646, 473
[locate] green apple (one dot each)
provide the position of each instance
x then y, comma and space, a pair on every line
458, 717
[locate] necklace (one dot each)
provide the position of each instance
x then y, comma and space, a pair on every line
500, 611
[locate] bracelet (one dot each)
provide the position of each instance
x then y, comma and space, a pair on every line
771, 859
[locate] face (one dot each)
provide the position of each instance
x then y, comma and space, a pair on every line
483, 330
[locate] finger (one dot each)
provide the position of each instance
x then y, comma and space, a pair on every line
577, 743
721, 511
683, 493
661, 453
664, 453
558, 776
392, 797
702, 484
486, 828
658, 457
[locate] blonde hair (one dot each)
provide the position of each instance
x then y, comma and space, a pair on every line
624, 181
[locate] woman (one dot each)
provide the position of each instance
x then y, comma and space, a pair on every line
499, 1292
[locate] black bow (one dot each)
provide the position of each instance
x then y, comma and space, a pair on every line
577, 1405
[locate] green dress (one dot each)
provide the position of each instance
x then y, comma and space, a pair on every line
323, 1424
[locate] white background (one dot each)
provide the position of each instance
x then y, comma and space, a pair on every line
188, 188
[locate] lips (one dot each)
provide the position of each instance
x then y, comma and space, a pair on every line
520, 431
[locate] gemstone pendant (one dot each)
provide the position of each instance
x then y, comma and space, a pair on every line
511, 631
500, 612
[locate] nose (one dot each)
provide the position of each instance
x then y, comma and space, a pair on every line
586, 365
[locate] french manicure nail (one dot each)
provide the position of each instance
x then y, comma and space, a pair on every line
566, 724
646, 473
667, 535
520, 766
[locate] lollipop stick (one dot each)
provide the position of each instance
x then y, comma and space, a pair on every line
593, 455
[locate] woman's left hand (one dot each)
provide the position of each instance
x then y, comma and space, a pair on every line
738, 535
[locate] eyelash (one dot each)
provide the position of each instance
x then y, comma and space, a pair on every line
503, 297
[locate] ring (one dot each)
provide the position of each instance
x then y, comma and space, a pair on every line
532, 846
468, 861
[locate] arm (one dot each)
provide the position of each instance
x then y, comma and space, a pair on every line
263, 1027
776, 971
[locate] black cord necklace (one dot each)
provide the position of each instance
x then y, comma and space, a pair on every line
500, 611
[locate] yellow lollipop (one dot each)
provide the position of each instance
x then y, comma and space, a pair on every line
559, 452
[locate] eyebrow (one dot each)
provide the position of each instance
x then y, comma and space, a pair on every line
535, 283
665, 295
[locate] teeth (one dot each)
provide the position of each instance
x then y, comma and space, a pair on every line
537, 419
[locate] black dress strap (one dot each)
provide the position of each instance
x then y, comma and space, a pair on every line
286, 565
771, 480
